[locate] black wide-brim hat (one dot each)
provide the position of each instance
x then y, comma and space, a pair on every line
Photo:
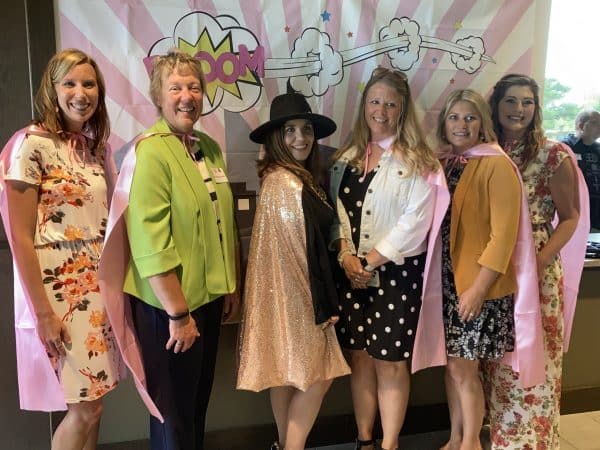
291, 106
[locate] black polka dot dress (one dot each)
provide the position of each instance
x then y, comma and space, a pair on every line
381, 320
491, 333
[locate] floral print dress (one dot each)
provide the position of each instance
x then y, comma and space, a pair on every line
71, 221
492, 333
520, 418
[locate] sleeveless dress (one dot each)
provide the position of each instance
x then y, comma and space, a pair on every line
71, 221
529, 418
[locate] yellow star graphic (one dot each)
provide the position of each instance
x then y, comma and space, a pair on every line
458, 25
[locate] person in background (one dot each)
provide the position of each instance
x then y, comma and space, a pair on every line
54, 208
529, 417
479, 234
385, 208
587, 152
287, 341
177, 204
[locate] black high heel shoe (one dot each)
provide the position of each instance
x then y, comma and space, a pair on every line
360, 444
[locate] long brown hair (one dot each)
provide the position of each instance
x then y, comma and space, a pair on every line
409, 142
46, 99
276, 154
534, 138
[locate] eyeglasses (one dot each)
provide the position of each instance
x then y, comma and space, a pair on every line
380, 72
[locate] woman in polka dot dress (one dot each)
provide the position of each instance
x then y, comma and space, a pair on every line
479, 234
385, 208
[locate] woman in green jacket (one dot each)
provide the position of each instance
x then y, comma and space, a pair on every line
183, 244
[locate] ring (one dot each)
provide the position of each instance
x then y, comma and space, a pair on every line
471, 315
178, 343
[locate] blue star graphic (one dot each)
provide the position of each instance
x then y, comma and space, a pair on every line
325, 15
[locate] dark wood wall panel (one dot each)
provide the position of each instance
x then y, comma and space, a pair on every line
19, 430
15, 107
40, 15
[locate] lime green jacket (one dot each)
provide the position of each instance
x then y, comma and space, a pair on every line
171, 222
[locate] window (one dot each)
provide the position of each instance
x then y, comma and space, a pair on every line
572, 80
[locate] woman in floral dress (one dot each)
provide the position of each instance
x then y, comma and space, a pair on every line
479, 280
529, 418
54, 208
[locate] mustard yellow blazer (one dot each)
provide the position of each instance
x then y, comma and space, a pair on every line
484, 223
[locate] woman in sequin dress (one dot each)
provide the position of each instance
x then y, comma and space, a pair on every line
385, 208
54, 211
529, 418
287, 340
479, 233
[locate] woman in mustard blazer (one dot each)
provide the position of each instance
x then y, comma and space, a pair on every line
479, 233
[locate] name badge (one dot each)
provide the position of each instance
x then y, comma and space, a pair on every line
219, 175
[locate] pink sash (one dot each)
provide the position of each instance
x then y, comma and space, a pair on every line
572, 255
527, 358
430, 344
111, 276
39, 388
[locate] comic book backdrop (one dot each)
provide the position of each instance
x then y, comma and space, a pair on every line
252, 51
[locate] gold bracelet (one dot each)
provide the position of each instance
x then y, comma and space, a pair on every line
341, 254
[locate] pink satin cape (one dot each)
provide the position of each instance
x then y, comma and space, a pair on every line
528, 356
572, 255
430, 344
111, 275
39, 388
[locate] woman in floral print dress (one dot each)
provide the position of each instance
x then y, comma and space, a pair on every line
529, 418
54, 211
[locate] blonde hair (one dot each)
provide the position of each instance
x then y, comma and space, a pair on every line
486, 129
409, 142
46, 99
165, 65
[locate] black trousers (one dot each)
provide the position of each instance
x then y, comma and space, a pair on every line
180, 384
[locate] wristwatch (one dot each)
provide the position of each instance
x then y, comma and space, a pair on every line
365, 265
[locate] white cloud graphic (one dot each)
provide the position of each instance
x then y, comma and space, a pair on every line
472, 63
328, 71
403, 57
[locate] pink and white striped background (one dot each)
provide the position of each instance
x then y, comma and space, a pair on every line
119, 34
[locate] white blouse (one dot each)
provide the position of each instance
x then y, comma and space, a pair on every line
397, 211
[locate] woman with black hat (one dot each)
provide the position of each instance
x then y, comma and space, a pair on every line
287, 341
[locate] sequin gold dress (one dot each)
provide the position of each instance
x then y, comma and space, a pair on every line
280, 342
